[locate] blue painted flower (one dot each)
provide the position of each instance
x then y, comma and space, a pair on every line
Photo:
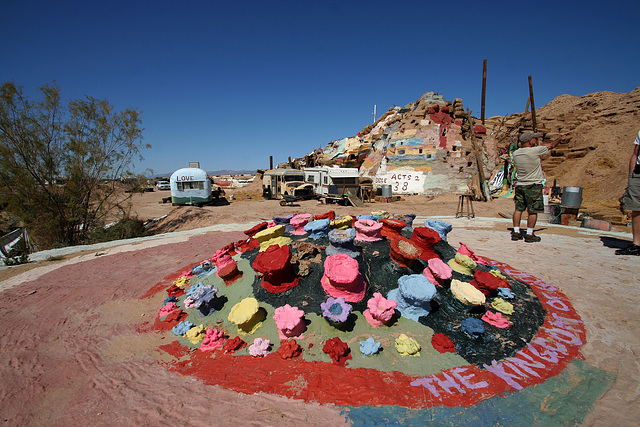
194, 288
336, 309
369, 346
506, 293
182, 327
203, 295
169, 299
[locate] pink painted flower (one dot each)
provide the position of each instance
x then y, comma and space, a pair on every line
168, 308
289, 321
213, 339
496, 319
260, 347
380, 310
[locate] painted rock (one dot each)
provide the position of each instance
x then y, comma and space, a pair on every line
379, 310
289, 321
298, 222
413, 295
426, 239
466, 293
275, 266
341, 242
368, 230
342, 278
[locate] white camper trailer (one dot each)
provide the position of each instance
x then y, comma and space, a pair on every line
334, 182
190, 186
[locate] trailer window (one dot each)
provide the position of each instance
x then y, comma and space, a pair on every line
310, 178
345, 181
190, 185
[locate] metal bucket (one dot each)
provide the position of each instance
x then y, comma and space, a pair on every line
571, 197
386, 191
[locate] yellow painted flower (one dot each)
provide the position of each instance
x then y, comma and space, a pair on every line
181, 281
407, 346
502, 305
498, 274
196, 334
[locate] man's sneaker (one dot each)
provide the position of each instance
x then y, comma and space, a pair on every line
531, 238
516, 236
629, 250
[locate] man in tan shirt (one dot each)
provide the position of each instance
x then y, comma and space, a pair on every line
529, 179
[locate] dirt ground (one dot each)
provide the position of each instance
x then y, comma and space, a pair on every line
73, 351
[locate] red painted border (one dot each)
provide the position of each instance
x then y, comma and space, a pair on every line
555, 345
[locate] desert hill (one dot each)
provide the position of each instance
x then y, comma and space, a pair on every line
597, 132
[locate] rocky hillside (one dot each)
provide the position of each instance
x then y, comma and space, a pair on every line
597, 132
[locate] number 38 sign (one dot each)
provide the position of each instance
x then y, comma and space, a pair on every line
401, 182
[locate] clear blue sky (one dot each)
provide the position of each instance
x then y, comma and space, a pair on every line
230, 83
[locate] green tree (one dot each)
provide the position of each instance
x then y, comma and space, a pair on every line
60, 165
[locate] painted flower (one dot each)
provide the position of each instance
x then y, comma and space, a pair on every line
369, 346
182, 327
336, 309
407, 346
213, 339
196, 334
260, 347
168, 308
380, 310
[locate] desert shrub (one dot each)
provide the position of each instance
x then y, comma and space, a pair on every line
127, 228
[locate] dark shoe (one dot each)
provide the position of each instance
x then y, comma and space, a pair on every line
629, 250
531, 238
516, 236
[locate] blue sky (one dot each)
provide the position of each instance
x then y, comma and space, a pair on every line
230, 83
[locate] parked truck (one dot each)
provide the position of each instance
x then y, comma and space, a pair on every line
290, 182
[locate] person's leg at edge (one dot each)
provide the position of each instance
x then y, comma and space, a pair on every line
517, 217
635, 227
531, 222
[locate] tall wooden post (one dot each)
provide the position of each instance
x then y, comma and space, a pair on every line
484, 89
270, 162
533, 107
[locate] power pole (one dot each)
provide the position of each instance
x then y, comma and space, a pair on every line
533, 107
484, 88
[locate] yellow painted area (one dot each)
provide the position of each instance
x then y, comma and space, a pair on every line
243, 311
196, 334
280, 241
342, 223
269, 233
502, 305
466, 293
463, 264
181, 282
498, 274
407, 346
247, 315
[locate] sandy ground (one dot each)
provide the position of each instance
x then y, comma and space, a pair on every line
73, 351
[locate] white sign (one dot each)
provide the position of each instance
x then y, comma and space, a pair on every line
406, 182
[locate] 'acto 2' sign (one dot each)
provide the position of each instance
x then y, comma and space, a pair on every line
185, 178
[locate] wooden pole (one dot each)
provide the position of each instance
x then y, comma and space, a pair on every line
533, 107
479, 164
484, 89
270, 162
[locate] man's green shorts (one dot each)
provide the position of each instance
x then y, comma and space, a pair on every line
529, 198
